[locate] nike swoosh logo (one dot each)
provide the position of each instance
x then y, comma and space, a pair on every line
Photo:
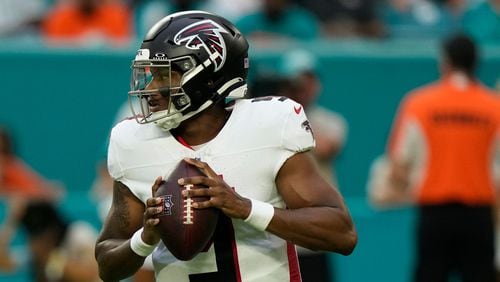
297, 109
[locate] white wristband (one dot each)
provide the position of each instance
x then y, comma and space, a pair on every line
260, 215
139, 246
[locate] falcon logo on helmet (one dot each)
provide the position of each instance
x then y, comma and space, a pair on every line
206, 34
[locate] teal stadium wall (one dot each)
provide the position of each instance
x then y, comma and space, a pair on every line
61, 103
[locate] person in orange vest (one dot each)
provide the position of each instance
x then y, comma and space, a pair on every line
441, 157
88, 22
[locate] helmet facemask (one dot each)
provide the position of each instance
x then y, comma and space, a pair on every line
156, 93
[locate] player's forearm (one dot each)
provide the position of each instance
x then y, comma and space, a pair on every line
316, 228
116, 260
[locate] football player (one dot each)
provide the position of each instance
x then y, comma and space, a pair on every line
189, 83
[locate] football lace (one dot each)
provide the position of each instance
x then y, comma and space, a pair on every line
188, 208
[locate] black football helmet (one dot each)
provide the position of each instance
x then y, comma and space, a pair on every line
207, 50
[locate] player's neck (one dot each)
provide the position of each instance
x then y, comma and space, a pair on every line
203, 127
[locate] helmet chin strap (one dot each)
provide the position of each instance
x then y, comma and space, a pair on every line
173, 120
168, 122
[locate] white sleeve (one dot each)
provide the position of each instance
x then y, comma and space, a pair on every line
114, 166
295, 132
297, 135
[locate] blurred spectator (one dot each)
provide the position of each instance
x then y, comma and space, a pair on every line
441, 156
382, 192
346, 18
19, 183
482, 21
59, 250
148, 12
233, 9
300, 69
451, 14
17, 178
20, 17
280, 19
88, 22
421, 18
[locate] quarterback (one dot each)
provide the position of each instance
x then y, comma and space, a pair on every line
187, 95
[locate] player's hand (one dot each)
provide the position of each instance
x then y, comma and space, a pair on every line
150, 234
222, 196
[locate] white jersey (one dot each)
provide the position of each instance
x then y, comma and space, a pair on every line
260, 135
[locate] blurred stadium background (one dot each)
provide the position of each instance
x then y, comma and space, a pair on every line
61, 102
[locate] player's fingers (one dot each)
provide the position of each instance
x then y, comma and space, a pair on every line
152, 222
203, 166
198, 180
156, 185
151, 202
203, 205
202, 192
153, 211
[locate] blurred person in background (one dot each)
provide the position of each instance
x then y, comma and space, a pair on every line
382, 192
88, 23
19, 18
482, 21
421, 18
19, 183
233, 9
451, 14
148, 12
17, 178
59, 250
280, 20
441, 157
303, 84
346, 18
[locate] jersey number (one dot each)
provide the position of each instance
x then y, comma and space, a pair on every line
225, 255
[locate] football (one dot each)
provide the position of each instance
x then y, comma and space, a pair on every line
185, 231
